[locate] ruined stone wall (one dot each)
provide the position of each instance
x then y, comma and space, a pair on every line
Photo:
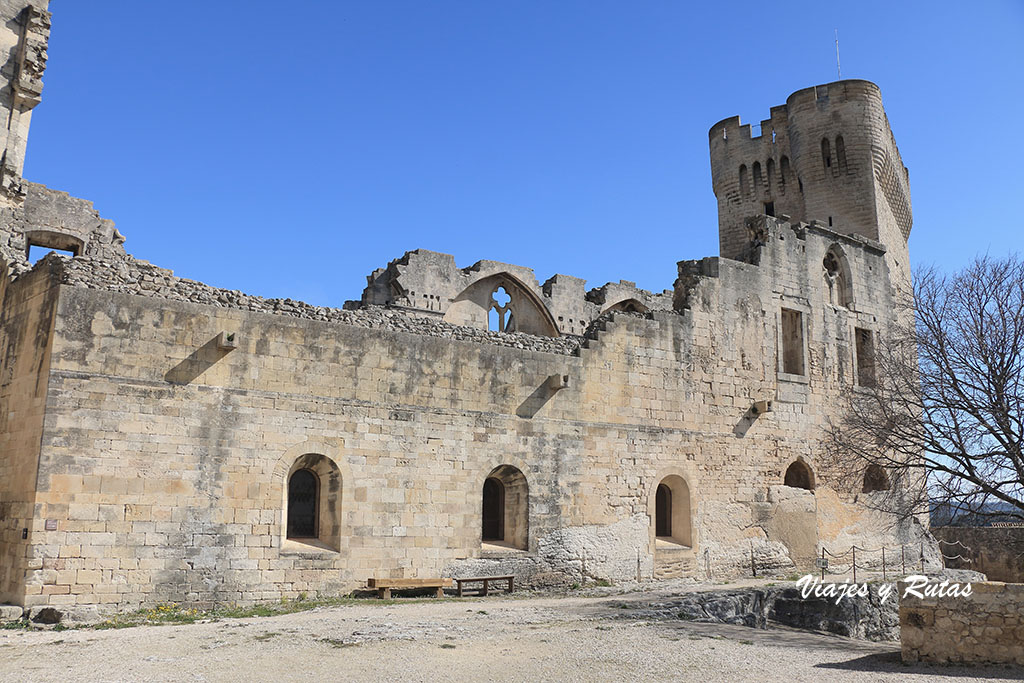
24, 32
165, 457
986, 627
26, 325
997, 552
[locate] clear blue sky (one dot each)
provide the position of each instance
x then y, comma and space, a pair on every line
288, 149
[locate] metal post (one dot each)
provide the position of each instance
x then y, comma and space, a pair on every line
855, 564
903, 559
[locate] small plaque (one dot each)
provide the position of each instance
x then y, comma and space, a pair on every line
51, 525
821, 563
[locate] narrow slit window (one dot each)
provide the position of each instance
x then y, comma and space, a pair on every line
744, 182
792, 342
841, 153
769, 208
826, 153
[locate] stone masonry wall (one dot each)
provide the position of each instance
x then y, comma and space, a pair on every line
26, 325
164, 458
985, 627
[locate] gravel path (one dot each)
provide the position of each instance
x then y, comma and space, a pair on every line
490, 639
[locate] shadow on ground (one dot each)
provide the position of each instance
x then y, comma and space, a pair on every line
890, 662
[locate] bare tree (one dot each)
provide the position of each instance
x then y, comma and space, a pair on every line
939, 420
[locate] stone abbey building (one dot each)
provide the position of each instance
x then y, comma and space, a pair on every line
164, 440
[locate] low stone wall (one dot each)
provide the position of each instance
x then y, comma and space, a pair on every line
986, 627
997, 552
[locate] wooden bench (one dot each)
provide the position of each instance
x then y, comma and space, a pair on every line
486, 580
385, 586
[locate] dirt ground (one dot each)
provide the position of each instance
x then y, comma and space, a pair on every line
497, 638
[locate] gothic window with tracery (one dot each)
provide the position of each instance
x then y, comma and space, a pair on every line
837, 282
500, 317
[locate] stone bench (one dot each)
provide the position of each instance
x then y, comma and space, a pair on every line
385, 586
486, 580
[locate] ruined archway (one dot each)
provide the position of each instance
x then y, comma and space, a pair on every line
522, 311
627, 306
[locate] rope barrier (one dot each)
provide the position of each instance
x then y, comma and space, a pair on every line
956, 557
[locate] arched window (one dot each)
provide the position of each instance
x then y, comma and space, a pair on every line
758, 182
799, 475
671, 513
784, 174
500, 318
493, 510
826, 153
744, 182
771, 175
875, 479
303, 489
500, 302
505, 508
841, 153
837, 278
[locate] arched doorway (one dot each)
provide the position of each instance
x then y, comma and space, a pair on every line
504, 508
493, 510
663, 511
303, 488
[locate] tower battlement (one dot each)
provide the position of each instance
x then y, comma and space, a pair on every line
828, 154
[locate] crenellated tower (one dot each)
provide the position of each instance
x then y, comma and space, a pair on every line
827, 155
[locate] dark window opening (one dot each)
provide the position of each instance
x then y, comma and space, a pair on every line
784, 172
769, 208
302, 505
744, 184
792, 342
493, 510
37, 253
758, 182
865, 357
841, 153
826, 153
663, 511
799, 476
830, 221
875, 479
